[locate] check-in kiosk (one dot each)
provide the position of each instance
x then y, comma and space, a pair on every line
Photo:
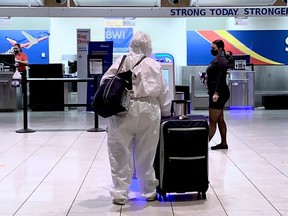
167, 63
180, 103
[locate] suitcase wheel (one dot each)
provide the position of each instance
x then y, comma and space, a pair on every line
163, 195
203, 195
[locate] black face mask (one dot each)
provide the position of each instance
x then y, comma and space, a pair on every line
214, 52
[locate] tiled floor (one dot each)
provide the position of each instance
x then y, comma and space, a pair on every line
62, 169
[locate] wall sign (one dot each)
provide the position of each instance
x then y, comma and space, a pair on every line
34, 43
121, 38
265, 47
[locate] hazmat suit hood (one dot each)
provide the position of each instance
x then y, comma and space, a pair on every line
140, 44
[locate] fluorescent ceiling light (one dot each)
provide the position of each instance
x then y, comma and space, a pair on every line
21, 2
231, 3
117, 3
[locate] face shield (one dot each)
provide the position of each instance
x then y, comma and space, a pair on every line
140, 44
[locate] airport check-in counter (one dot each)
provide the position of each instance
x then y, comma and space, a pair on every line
242, 88
8, 100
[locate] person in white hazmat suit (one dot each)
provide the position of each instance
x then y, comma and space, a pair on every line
141, 123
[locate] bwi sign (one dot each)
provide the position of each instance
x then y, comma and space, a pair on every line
121, 38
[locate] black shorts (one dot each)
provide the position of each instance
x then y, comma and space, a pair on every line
222, 100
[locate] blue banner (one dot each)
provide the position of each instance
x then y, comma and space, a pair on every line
121, 38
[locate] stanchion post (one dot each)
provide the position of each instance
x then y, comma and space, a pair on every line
96, 122
25, 106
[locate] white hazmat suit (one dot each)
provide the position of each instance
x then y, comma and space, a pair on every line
141, 123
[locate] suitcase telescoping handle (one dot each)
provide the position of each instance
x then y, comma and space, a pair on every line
183, 115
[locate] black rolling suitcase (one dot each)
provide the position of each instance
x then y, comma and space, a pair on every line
181, 162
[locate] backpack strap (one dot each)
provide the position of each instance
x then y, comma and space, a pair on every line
121, 64
142, 58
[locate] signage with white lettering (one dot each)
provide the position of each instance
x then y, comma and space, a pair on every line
121, 38
265, 47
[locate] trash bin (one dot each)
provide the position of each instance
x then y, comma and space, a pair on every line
242, 88
179, 105
238, 91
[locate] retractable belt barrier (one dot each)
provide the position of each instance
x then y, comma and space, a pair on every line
25, 104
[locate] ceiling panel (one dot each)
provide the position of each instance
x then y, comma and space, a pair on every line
228, 3
117, 3
21, 3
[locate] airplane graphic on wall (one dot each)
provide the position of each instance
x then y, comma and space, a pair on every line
35, 43
29, 40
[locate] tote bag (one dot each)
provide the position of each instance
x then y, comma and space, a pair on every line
113, 96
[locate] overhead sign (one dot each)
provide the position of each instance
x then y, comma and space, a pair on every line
146, 12
119, 22
246, 11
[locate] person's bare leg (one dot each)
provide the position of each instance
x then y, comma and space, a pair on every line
222, 129
213, 119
